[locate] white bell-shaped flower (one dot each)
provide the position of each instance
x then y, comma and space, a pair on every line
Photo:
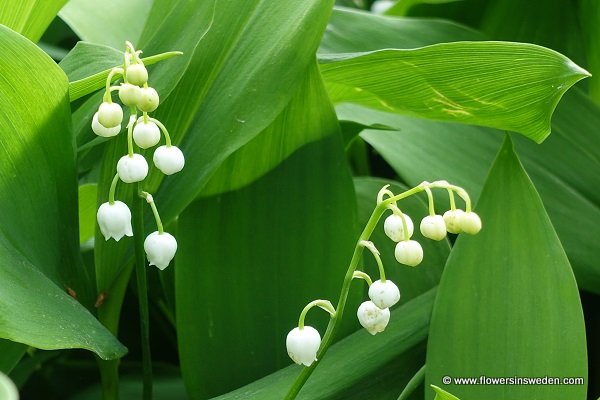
103, 131
452, 220
373, 318
168, 159
302, 345
394, 228
433, 227
137, 74
8, 390
110, 114
129, 94
160, 249
149, 99
409, 253
132, 169
146, 134
384, 294
114, 220
470, 223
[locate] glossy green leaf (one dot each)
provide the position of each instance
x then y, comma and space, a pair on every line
358, 355
351, 31
110, 22
401, 7
10, 354
518, 85
39, 246
441, 394
29, 17
513, 310
87, 211
563, 167
411, 281
255, 272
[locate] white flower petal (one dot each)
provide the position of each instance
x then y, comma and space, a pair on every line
160, 249
303, 344
132, 169
384, 294
114, 220
373, 318
169, 159
394, 228
409, 253
103, 131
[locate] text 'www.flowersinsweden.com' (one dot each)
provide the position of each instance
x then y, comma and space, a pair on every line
512, 380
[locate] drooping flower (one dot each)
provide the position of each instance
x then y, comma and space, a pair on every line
433, 227
452, 220
168, 159
149, 99
302, 345
394, 228
373, 318
146, 134
384, 294
132, 168
409, 252
114, 220
137, 74
103, 131
129, 94
470, 223
110, 114
160, 249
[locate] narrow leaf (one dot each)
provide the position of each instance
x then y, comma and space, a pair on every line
29, 17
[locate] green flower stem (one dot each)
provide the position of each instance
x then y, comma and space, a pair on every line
130, 124
362, 275
113, 187
462, 193
452, 202
324, 304
150, 200
371, 247
109, 78
140, 270
164, 131
430, 199
109, 376
334, 322
413, 384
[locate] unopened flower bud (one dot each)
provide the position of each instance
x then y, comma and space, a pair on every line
394, 228
149, 99
129, 94
303, 344
168, 159
373, 318
409, 253
137, 74
114, 220
146, 134
470, 223
103, 131
433, 227
160, 249
452, 218
110, 114
384, 294
132, 168
8, 390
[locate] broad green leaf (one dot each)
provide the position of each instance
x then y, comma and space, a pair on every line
353, 358
441, 394
514, 309
411, 281
351, 31
87, 211
254, 268
39, 246
517, 85
30, 18
589, 11
402, 6
110, 22
10, 354
563, 167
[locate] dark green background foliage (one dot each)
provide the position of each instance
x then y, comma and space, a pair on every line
292, 115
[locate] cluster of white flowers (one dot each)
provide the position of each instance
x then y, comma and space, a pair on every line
114, 217
304, 342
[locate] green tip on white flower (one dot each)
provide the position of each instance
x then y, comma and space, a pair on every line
470, 223
146, 134
114, 220
110, 114
433, 227
394, 228
129, 94
303, 344
384, 294
373, 318
132, 168
149, 99
452, 220
160, 249
103, 131
137, 74
168, 159
409, 253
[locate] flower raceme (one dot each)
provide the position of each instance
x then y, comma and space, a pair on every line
114, 217
303, 342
